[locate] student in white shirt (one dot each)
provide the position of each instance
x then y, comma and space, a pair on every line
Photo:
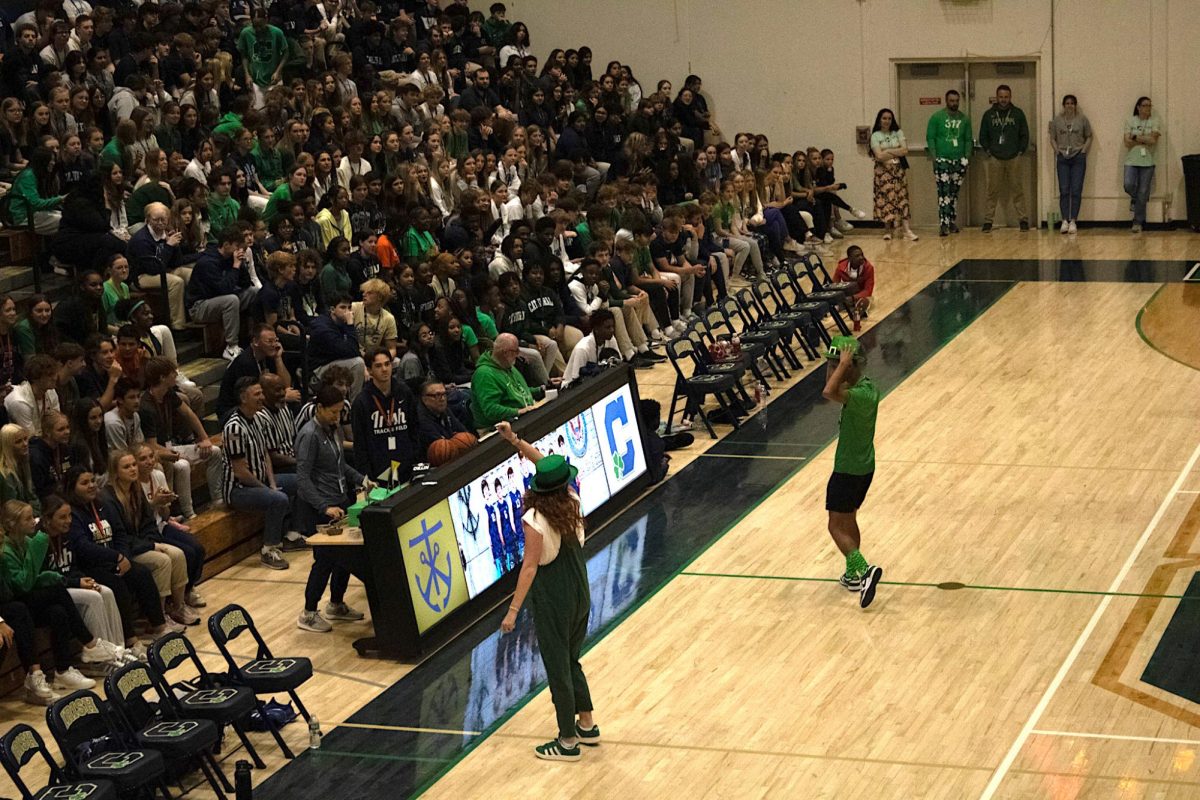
30, 401
589, 348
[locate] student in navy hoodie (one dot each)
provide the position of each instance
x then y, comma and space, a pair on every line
219, 288
332, 340
384, 420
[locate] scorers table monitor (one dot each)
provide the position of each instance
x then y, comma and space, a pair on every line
446, 549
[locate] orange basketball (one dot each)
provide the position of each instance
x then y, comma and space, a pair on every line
465, 441
441, 451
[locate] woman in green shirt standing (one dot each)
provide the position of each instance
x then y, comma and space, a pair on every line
1142, 132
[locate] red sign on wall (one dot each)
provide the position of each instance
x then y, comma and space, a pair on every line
931, 101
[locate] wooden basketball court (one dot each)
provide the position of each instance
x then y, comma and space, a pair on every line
1036, 507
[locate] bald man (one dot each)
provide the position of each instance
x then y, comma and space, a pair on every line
498, 391
154, 256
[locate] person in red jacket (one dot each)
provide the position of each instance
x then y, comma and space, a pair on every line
855, 268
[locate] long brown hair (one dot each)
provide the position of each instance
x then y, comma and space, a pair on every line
560, 509
131, 497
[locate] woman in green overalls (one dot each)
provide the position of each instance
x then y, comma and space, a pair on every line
554, 576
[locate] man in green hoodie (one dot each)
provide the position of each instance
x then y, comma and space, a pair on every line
1004, 134
948, 138
498, 392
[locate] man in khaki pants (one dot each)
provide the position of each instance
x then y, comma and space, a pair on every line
1004, 135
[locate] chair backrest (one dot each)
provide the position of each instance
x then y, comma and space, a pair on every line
17, 748
753, 300
128, 689
717, 322
77, 719
786, 288
817, 271
170, 651
734, 315
229, 623
682, 352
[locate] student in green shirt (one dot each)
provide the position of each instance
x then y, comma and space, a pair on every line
419, 244
280, 200
267, 159
854, 461
1142, 132
948, 139
223, 210
115, 290
264, 50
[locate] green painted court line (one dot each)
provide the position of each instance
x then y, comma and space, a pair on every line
921, 584
1137, 323
380, 757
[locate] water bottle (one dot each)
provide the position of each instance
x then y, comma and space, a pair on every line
758, 393
314, 734
241, 781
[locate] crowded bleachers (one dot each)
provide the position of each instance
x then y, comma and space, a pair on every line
391, 220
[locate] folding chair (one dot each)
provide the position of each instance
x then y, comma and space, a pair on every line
152, 722
821, 281
694, 384
793, 299
776, 332
833, 298
264, 674
760, 296
203, 698
756, 348
93, 748
20, 745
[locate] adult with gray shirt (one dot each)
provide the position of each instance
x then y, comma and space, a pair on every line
1071, 137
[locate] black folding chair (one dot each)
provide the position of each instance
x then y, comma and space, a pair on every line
20, 745
264, 674
693, 384
202, 698
834, 298
93, 747
776, 333
820, 279
756, 350
793, 299
140, 699
761, 295
702, 338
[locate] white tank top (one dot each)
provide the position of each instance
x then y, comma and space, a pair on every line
551, 539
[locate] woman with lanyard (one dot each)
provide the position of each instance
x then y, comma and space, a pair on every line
11, 358
890, 152
1142, 132
50, 454
1071, 135
554, 575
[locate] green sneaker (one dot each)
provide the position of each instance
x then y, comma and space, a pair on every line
588, 738
554, 750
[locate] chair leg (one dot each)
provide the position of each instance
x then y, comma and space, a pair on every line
262, 712
300, 706
202, 761
246, 743
214, 765
841, 323
725, 406
674, 402
704, 417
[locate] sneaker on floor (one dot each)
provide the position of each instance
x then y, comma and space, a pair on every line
194, 599
954, 228
273, 559
987, 227
184, 615
828, 239
588, 738
650, 355
1024, 226
37, 691
911, 235
1137, 227
639, 361
944, 230
554, 750
171, 626
292, 544
231, 352
1065, 227
793, 246
343, 611
887, 236
136, 653
103, 652
314, 622
860, 214
835, 233
1072, 229
72, 680
850, 584
870, 580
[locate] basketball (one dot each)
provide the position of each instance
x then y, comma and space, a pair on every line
465, 441
443, 450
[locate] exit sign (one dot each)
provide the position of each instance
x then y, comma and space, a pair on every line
931, 101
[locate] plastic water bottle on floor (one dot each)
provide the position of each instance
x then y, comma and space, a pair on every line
760, 398
314, 734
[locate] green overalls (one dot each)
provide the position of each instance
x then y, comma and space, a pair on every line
562, 601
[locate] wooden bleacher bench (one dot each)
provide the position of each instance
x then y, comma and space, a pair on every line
21, 244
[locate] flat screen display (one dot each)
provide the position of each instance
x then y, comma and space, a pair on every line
603, 442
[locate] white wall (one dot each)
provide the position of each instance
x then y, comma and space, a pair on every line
806, 73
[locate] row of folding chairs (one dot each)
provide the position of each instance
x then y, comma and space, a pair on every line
775, 319
149, 728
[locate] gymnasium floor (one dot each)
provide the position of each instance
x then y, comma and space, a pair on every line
1035, 503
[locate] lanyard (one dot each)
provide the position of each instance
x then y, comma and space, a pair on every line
96, 514
391, 412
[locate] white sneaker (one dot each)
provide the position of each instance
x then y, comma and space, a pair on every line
102, 653
169, 626
1065, 227
835, 233
184, 615
194, 599
1072, 229
231, 352
792, 246
912, 237
860, 214
136, 653
828, 239
72, 681
37, 690
843, 226
657, 337
313, 621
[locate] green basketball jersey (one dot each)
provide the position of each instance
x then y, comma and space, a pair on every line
856, 430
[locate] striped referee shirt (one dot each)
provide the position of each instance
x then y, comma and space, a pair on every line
309, 410
279, 427
244, 437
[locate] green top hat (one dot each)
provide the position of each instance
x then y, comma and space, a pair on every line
840, 343
553, 473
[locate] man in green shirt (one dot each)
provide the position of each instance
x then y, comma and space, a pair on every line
854, 462
223, 209
264, 51
948, 138
498, 391
1004, 135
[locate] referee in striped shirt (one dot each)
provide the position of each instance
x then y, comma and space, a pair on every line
250, 483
